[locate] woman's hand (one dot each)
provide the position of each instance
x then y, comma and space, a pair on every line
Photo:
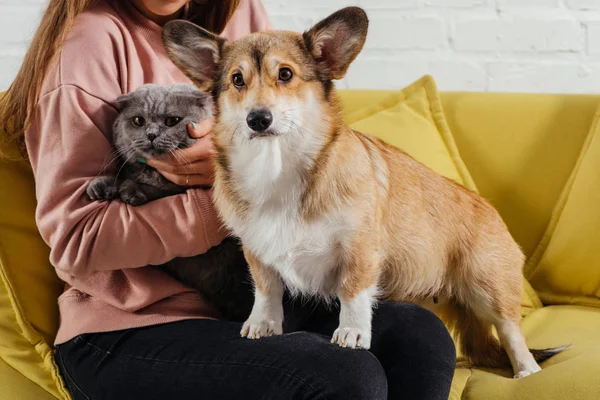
193, 166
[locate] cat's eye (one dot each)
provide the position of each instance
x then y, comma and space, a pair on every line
138, 121
238, 80
172, 121
285, 74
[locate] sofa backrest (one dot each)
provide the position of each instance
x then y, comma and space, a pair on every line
29, 286
520, 150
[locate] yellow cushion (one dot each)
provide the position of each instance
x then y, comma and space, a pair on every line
572, 374
28, 284
413, 120
566, 266
520, 149
14, 385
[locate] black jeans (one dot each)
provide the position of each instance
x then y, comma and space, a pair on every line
412, 357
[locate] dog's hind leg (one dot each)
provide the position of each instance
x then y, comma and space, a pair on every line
498, 304
476, 339
512, 340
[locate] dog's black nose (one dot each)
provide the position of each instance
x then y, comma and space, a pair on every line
259, 120
151, 136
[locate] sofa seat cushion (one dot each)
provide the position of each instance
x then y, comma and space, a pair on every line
572, 374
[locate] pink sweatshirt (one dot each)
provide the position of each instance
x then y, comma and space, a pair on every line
104, 251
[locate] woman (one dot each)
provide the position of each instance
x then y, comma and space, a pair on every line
129, 330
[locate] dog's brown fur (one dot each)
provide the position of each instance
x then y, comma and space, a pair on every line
421, 236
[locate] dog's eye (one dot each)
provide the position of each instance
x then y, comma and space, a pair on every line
238, 80
285, 74
138, 121
172, 121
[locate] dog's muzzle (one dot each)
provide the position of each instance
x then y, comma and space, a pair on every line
259, 120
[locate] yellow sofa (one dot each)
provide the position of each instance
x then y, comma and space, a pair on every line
522, 151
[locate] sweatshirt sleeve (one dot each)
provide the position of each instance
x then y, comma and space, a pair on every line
250, 17
69, 144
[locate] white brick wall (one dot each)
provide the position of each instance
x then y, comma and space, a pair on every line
475, 45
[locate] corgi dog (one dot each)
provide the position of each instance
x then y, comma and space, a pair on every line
330, 212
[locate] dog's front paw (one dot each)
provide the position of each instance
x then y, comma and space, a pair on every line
257, 328
354, 338
102, 188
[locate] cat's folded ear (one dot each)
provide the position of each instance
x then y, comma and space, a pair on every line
191, 94
124, 100
194, 50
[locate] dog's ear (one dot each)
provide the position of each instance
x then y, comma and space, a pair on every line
194, 50
336, 41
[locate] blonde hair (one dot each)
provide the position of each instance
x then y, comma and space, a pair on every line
19, 101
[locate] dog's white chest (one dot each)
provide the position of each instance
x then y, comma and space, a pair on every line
304, 254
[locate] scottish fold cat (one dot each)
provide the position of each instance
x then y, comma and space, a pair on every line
152, 122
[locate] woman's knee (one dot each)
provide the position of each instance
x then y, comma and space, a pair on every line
364, 376
416, 350
342, 373
415, 329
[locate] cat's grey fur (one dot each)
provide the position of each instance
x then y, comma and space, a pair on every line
221, 274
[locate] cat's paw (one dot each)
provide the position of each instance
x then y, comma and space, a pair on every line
354, 338
257, 328
102, 188
131, 194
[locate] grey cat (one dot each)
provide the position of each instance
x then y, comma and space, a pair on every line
153, 121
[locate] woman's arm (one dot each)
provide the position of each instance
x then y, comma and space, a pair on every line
69, 144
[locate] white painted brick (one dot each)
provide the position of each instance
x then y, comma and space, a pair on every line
583, 4
292, 22
544, 77
18, 23
9, 65
321, 7
388, 4
593, 38
498, 45
397, 73
274, 3
521, 35
274, 6
406, 33
457, 3
532, 4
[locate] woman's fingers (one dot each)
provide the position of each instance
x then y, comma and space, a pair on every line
201, 150
202, 167
200, 129
189, 180
192, 166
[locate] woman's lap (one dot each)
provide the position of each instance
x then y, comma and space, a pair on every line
411, 343
209, 360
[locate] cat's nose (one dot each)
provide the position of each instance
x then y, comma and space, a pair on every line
151, 136
259, 119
